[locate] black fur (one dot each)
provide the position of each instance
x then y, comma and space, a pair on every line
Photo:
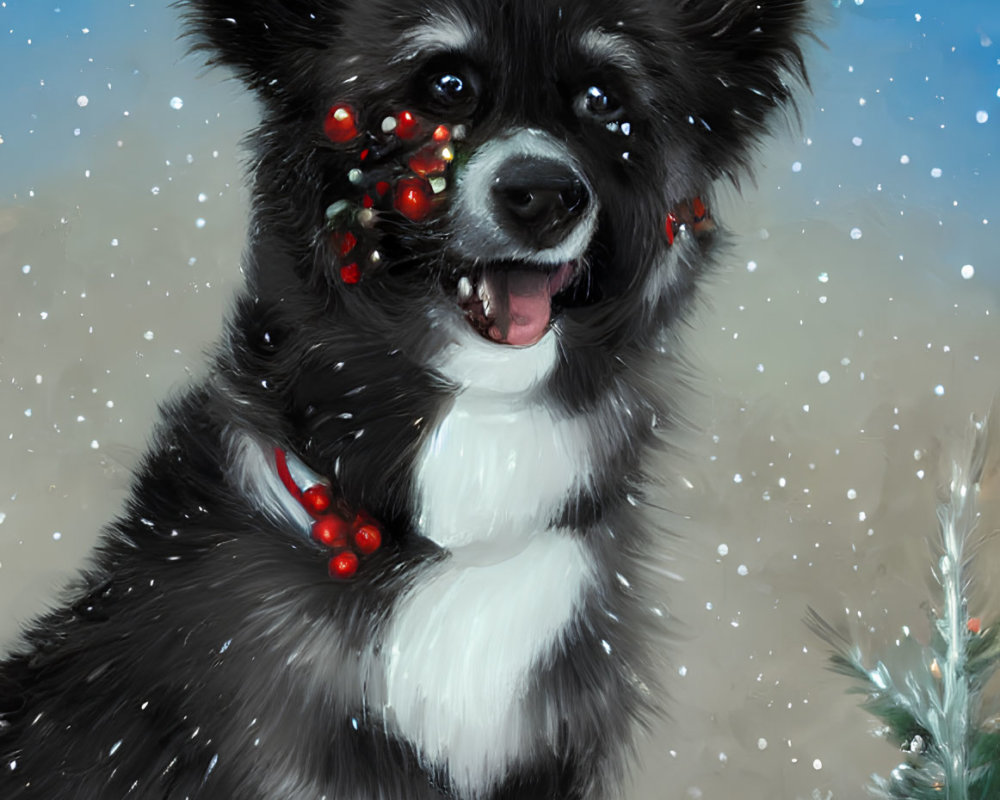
167, 672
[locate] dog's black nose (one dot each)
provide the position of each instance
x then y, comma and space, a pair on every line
538, 201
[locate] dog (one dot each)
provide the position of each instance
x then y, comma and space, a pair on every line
392, 547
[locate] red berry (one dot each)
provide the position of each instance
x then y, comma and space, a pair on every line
428, 162
441, 133
413, 198
368, 539
382, 187
367, 201
344, 242
340, 124
671, 222
350, 273
974, 624
699, 209
316, 499
331, 530
407, 125
343, 565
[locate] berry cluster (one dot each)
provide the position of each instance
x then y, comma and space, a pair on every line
350, 535
690, 213
402, 168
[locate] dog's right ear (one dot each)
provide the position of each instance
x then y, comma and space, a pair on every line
270, 44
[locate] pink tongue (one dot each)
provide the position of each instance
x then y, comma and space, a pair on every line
529, 307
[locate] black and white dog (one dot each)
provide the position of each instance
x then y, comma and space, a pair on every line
390, 548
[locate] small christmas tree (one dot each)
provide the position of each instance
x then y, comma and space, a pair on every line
929, 695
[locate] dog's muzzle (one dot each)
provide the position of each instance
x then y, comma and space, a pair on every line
522, 221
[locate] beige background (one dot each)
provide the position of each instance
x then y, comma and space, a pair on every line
822, 493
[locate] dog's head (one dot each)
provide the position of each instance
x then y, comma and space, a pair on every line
512, 163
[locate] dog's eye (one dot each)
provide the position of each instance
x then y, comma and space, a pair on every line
453, 91
598, 104
448, 88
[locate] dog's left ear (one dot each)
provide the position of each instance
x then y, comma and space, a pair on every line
747, 56
271, 44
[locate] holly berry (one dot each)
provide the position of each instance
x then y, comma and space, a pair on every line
344, 242
368, 539
316, 499
341, 123
407, 125
413, 198
428, 161
343, 565
330, 530
669, 227
350, 273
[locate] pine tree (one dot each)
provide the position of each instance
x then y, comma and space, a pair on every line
929, 695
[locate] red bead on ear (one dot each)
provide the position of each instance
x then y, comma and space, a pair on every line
341, 123
413, 198
698, 207
669, 227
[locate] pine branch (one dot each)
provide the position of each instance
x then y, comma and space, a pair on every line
929, 695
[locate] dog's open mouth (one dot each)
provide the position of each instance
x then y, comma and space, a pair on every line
513, 303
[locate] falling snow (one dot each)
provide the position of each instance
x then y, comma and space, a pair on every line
150, 244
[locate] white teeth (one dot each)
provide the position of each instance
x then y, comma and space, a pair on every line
464, 289
484, 296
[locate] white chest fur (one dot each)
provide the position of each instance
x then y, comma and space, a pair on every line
458, 653
499, 463
498, 467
